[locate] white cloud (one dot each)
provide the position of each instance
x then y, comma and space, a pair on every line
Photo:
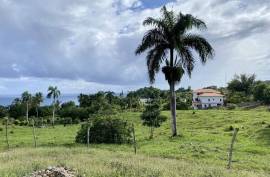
93, 42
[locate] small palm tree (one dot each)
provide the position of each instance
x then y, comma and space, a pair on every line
170, 42
37, 100
26, 99
53, 93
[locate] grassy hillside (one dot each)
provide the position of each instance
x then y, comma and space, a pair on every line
205, 137
104, 163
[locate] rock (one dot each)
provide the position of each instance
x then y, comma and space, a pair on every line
54, 172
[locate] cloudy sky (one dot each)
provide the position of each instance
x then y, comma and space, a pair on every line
88, 45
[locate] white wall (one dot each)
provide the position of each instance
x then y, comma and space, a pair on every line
213, 101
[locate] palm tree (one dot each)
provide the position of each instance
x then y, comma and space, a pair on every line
26, 99
170, 42
53, 93
37, 100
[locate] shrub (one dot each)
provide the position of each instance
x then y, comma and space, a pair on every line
105, 129
231, 106
1, 129
230, 128
3, 111
151, 116
16, 122
180, 105
65, 121
23, 123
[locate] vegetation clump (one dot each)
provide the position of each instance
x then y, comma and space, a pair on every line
105, 129
151, 116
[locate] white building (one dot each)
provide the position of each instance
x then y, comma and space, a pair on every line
207, 98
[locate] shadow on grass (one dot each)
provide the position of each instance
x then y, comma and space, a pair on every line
264, 135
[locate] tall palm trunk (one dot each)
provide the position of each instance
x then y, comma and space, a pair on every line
172, 98
173, 108
27, 115
53, 114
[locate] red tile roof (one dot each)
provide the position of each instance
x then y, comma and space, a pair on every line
206, 91
211, 94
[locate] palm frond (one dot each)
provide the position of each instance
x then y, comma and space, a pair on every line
200, 45
151, 38
187, 22
187, 60
154, 59
168, 17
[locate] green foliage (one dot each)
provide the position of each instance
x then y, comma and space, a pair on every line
3, 111
105, 129
146, 92
237, 97
230, 106
74, 113
242, 83
45, 111
16, 122
180, 105
68, 104
66, 121
261, 92
151, 116
16, 109
258, 91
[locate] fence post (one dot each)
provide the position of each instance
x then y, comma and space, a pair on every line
34, 132
134, 139
231, 147
88, 135
7, 133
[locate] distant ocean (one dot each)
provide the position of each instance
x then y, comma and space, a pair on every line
6, 100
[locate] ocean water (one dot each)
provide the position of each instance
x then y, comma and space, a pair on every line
6, 100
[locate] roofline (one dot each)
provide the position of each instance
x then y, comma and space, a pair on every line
212, 95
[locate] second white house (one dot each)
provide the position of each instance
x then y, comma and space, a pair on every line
207, 98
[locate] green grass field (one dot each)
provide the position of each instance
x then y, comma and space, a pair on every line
201, 150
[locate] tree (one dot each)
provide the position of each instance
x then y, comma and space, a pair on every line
258, 91
26, 99
151, 116
3, 111
242, 83
170, 38
16, 109
53, 93
37, 100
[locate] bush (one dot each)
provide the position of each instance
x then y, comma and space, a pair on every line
1, 129
66, 121
231, 106
16, 122
106, 129
3, 112
180, 105
228, 129
74, 113
23, 123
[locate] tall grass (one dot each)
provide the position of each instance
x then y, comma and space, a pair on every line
96, 163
